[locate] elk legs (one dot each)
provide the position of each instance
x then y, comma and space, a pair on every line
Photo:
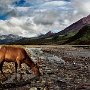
19, 67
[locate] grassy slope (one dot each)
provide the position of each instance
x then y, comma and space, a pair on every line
82, 37
63, 38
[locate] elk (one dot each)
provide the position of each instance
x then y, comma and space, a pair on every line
17, 55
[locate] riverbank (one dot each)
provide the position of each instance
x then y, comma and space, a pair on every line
77, 65
62, 68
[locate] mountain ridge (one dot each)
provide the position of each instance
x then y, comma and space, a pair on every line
73, 34
4, 39
77, 25
82, 37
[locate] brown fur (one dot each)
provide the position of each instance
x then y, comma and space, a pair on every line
17, 55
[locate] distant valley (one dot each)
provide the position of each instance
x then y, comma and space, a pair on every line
77, 33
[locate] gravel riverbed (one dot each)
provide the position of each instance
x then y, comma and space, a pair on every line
62, 68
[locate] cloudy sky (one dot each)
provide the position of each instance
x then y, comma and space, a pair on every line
29, 18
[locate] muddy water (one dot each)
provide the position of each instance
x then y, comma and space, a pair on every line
49, 65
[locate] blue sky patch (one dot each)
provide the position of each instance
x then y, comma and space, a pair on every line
20, 2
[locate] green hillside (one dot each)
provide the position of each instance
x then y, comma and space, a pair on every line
82, 37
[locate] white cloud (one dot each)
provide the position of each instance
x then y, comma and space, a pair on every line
23, 26
82, 6
54, 3
7, 2
41, 17
22, 9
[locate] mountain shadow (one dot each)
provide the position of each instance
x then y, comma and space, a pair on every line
82, 37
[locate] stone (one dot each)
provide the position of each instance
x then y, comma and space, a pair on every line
33, 88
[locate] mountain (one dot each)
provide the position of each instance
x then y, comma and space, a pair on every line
41, 39
48, 34
5, 39
77, 33
75, 27
72, 33
82, 37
